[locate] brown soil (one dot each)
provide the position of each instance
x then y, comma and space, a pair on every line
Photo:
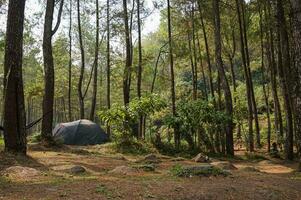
274, 180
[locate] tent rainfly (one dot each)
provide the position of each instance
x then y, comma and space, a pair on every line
81, 132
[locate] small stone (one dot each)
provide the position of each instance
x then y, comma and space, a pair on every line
201, 158
151, 158
77, 170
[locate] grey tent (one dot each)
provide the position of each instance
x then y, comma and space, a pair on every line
81, 132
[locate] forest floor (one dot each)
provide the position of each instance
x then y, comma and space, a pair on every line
272, 179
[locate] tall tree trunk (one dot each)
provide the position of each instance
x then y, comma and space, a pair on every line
128, 62
172, 76
70, 63
202, 67
231, 56
195, 78
246, 46
194, 89
14, 107
265, 93
139, 73
48, 100
81, 97
224, 81
108, 63
296, 17
246, 74
273, 71
284, 69
94, 97
207, 50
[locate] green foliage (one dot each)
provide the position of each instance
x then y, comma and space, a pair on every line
35, 138
240, 104
145, 167
1, 142
102, 189
192, 114
122, 118
196, 115
133, 146
254, 156
181, 171
168, 148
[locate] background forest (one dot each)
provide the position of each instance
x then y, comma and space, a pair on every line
214, 76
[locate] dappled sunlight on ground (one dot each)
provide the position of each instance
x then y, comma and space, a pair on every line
271, 179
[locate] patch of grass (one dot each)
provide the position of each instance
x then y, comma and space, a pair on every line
134, 147
296, 176
181, 171
254, 157
102, 189
145, 167
3, 181
35, 138
1, 143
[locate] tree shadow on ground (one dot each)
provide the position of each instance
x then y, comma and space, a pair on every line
8, 160
78, 150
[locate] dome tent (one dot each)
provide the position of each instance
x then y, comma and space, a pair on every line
81, 132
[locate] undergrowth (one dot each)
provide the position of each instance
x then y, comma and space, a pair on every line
181, 171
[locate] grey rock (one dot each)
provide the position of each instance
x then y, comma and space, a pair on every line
77, 170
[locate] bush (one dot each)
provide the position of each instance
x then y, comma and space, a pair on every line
206, 170
194, 116
35, 138
1, 143
254, 156
134, 146
123, 119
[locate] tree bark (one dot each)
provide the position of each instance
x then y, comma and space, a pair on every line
296, 17
246, 46
224, 81
202, 67
172, 76
246, 74
265, 93
192, 64
207, 51
273, 71
81, 97
14, 106
48, 99
128, 62
70, 63
94, 96
139, 73
195, 78
284, 69
108, 63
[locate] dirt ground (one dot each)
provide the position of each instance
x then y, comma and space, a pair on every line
272, 180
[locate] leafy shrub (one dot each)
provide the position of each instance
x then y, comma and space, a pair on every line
180, 171
122, 119
35, 137
1, 143
196, 115
254, 156
134, 146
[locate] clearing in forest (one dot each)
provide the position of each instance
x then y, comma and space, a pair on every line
99, 173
